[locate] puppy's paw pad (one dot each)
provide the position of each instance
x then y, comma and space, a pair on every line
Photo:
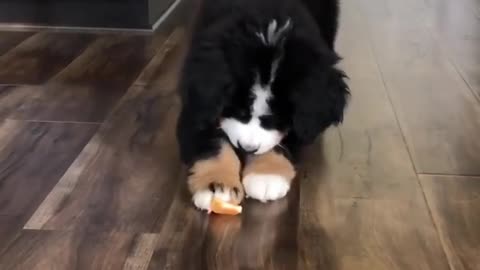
203, 198
266, 187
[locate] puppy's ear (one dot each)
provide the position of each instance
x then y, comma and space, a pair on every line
205, 85
319, 102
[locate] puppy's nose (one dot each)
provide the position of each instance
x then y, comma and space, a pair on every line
249, 148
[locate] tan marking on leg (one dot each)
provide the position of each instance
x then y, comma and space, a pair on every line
222, 169
270, 163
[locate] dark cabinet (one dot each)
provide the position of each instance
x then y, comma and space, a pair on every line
132, 14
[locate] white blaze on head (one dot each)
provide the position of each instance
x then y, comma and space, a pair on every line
274, 33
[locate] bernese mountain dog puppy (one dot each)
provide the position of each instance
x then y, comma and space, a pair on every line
259, 82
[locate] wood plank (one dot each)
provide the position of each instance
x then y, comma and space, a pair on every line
10, 39
456, 24
12, 97
360, 203
34, 157
455, 205
366, 156
437, 112
111, 61
163, 72
40, 57
366, 234
369, 164
182, 223
90, 86
123, 180
56, 103
262, 237
40, 250
10, 226
350, 219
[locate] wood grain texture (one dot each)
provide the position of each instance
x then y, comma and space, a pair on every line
12, 98
10, 226
123, 178
181, 223
11, 39
437, 112
366, 234
41, 250
361, 206
263, 237
111, 61
162, 72
34, 156
40, 57
455, 206
96, 80
366, 156
457, 27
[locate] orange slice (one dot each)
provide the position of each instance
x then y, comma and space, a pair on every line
224, 208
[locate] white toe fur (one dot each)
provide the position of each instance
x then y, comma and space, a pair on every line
203, 198
266, 187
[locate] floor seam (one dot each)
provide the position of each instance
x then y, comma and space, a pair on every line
435, 225
453, 63
389, 98
450, 175
55, 122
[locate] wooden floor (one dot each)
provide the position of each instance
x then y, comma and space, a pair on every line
90, 176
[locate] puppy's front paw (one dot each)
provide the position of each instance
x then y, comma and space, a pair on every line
203, 198
266, 187
268, 177
216, 177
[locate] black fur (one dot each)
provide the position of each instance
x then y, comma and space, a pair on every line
310, 93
